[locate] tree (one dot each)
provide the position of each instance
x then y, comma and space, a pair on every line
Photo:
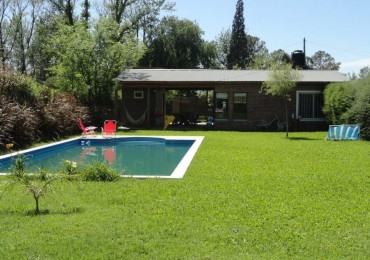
208, 58
178, 44
134, 15
322, 61
364, 72
223, 47
6, 45
280, 56
282, 79
238, 55
85, 15
91, 59
66, 8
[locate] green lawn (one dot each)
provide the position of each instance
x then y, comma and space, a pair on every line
245, 196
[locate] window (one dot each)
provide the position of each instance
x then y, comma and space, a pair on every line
240, 105
221, 105
138, 94
309, 105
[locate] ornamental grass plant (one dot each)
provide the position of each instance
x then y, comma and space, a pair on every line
244, 196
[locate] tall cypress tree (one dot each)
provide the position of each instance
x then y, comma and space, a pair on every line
238, 53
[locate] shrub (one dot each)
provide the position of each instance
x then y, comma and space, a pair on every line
18, 124
360, 111
99, 171
338, 98
16, 86
37, 185
58, 116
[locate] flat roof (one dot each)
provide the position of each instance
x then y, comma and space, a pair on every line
201, 75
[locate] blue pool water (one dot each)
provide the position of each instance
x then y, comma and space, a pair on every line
145, 156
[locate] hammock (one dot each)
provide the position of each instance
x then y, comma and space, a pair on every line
138, 121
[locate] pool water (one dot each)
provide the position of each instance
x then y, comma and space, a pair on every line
131, 156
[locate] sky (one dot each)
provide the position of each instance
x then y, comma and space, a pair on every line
338, 27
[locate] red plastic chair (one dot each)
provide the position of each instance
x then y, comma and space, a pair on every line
86, 130
109, 128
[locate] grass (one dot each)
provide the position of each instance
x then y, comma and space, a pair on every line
245, 196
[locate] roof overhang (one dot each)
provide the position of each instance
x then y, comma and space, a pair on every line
219, 76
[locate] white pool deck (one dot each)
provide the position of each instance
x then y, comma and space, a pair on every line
178, 173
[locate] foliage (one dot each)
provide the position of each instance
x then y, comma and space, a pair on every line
264, 60
359, 113
36, 184
71, 168
280, 57
135, 15
322, 61
349, 103
338, 98
177, 43
58, 116
223, 46
17, 87
282, 80
18, 124
92, 58
238, 55
30, 112
99, 171
245, 195
364, 72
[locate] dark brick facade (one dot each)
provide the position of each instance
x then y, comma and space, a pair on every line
259, 106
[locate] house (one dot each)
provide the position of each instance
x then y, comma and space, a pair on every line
236, 101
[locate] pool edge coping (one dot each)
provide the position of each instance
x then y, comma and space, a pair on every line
178, 173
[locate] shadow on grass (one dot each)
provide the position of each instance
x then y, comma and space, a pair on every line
303, 139
70, 211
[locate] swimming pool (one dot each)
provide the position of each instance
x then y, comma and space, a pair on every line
136, 156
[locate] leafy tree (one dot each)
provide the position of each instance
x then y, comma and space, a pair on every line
24, 16
280, 56
282, 79
66, 8
223, 47
322, 61
364, 72
178, 44
6, 44
85, 11
134, 15
92, 58
238, 55
255, 47
264, 60
208, 57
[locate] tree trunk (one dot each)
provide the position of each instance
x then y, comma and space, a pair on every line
286, 117
37, 210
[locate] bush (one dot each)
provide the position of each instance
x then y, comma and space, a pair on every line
18, 124
349, 103
30, 112
359, 113
338, 98
16, 86
59, 115
100, 171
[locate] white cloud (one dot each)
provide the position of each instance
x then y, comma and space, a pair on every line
354, 66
